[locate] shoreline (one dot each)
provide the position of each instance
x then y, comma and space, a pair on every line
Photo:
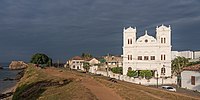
10, 89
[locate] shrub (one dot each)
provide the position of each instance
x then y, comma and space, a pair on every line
146, 73
132, 73
117, 70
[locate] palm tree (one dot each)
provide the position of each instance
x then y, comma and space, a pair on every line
177, 65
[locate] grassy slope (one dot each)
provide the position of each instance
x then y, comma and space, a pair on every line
73, 90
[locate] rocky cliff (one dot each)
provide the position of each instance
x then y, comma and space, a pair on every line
17, 65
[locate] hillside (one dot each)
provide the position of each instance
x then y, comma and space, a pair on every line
63, 84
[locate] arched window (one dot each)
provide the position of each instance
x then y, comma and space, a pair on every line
161, 40
130, 41
129, 69
164, 40
163, 71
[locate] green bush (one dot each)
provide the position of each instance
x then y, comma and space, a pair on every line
132, 73
146, 73
117, 70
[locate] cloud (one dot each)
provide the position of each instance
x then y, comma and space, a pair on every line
64, 28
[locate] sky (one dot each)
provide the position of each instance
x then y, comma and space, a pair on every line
65, 28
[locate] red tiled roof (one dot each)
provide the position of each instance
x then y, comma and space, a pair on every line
77, 58
193, 67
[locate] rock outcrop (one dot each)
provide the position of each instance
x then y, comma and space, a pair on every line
15, 65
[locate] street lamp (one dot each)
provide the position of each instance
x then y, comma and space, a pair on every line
157, 78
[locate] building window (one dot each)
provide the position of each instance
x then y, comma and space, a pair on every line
164, 40
74, 66
152, 57
162, 71
139, 57
129, 57
146, 58
161, 40
146, 40
129, 69
163, 57
193, 80
129, 41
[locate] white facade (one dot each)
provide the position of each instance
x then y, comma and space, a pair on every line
93, 61
76, 64
186, 80
147, 52
196, 54
186, 54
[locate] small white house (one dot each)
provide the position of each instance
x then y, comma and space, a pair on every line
76, 63
190, 77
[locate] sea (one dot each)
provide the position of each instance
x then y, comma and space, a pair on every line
7, 73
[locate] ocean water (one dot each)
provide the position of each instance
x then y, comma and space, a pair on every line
7, 73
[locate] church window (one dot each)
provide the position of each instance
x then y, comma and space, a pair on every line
139, 57
164, 40
162, 71
163, 57
129, 41
161, 40
129, 57
146, 58
129, 69
146, 40
152, 57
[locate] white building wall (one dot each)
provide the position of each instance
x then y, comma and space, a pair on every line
186, 80
196, 54
76, 64
147, 46
186, 54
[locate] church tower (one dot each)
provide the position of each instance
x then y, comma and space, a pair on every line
163, 35
129, 40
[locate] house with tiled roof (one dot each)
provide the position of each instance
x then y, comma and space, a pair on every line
77, 62
190, 77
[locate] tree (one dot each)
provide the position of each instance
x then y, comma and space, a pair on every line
132, 73
86, 55
86, 66
177, 65
117, 70
40, 58
146, 73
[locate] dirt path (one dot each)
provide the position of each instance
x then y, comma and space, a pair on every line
99, 90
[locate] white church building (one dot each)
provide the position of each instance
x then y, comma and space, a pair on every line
147, 52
